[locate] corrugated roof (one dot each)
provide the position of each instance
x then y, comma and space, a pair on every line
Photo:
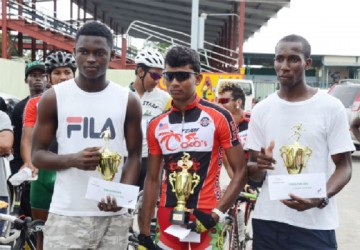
176, 14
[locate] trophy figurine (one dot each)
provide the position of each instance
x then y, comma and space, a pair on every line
295, 156
183, 184
109, 161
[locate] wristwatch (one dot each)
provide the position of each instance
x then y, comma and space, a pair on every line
324, 202
220, 214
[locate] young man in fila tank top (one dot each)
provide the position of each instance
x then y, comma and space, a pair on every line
199, 128
76, 112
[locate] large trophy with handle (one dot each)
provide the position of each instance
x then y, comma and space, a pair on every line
295, 156
109, 161
183, 184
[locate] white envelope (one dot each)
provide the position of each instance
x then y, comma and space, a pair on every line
125, 195
302, 185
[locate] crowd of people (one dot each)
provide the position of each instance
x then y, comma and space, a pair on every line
56, 132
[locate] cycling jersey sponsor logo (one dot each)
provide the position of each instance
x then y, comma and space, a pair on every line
150, 104
86, 126
191, 140
190, 130
205, 121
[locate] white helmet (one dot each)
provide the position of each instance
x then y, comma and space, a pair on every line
151, 58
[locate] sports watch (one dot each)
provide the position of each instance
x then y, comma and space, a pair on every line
220, 214
324, 202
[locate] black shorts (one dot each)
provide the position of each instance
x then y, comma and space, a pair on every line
276, 235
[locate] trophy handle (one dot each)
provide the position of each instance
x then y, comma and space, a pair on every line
307, 154
195, 181
283, 154
172, 179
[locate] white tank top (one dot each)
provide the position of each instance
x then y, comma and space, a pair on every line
82, 116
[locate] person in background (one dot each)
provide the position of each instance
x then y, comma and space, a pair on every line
76, 112
36, 80
154, 101
231, 97
297, 113
6, 143
60, 66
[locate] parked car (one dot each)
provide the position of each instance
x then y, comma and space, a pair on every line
348, 92
10, 101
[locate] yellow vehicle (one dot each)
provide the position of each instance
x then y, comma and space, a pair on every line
206, 89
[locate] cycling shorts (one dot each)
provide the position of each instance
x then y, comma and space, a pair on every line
210, 239
42, 189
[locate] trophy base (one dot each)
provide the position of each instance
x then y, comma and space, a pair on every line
179, 217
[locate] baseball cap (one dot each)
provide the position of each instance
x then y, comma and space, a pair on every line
34, 65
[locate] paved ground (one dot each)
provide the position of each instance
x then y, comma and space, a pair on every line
348, 201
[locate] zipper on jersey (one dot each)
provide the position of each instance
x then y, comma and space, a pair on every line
182, 126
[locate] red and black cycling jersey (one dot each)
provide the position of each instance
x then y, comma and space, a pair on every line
201, 131
244, 122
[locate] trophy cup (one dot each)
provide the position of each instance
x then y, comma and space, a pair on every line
295, 156
183, 184
109, 161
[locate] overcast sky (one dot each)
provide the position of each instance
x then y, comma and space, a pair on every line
331, 26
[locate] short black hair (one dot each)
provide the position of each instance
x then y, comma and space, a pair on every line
235, 88
95, 28
306, 47
179, 56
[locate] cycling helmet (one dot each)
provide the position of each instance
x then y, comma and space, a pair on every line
150, 58
59, 59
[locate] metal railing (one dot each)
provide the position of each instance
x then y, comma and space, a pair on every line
46, 21
168, 36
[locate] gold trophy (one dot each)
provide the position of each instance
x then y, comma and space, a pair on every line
295, 156
183, 184
109, 161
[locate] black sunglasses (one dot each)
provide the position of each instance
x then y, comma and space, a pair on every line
179, 75
155, 76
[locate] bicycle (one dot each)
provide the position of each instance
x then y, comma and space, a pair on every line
24, 232
133, 233
235, 228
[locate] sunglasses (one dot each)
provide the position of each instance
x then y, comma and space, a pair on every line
155, 76
224, 100
179, 75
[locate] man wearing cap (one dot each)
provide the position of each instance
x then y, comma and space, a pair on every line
35, 77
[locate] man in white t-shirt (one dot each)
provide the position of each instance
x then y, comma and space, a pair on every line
77, 112
154, 101
317, 121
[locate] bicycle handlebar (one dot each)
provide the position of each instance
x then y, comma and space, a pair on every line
17, 232
11, 238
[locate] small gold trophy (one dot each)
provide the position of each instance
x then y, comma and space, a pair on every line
295, 156
109, 161
183, 184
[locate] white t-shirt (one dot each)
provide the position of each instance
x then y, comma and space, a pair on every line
324, 129
82, 116
5, 124
153, 104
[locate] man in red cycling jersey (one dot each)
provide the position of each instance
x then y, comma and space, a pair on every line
198, 128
